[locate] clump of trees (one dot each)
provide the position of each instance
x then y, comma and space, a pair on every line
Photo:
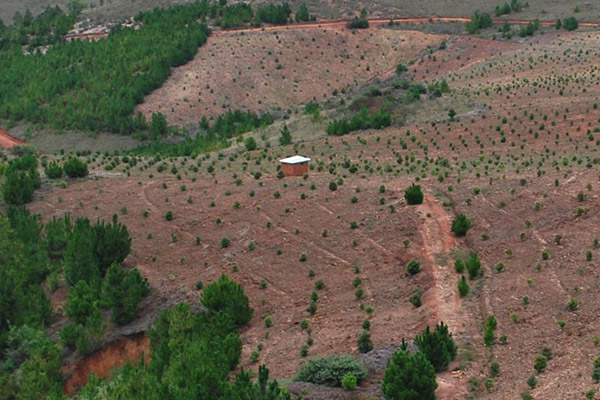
75, 168
201, 347
21, 178
361, 22
272, 14
412, 376
409, 376
226, 126
302, 15
513, 7
530, 28
437, 345
360, 121
478, 22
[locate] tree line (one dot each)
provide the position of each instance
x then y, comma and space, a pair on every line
225, 127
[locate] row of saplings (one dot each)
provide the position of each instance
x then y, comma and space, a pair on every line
408, 375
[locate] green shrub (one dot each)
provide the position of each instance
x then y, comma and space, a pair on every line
413, 195
478, 21
463, 287
227, 295
409, 376
460, 225
349, 381
69, 334
330, 370
122, 291
413, 267
473, 266
438, 346
74, 168
540, 362
570, 23
250, 143
364, 342
53, 170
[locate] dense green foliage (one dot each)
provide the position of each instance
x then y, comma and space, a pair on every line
330, 370
96, 85
227, 296
413, 195
235, 15
360, 121
225, 127
530, 28
286, 136
75, 168
53, 170
122, 291
20, 180
361, 22
570, 23
460, 225
302, 15
409, 377
272, 14
506, 8
438, 346
192, 357
478, 22
47, 28
23, 267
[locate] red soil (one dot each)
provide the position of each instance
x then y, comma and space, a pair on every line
102, 362
7, 140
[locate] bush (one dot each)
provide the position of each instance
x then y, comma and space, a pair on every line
75, 168
413, 267
570, 23
364, 342
409, 376
463, 287
479, 21
413, 195
401, 68
330, 370
250, 143
473, 265
438, 346
53, 171
69, 335
539, 363
227, 295
122, 291
460, 225
349, 381
20, 180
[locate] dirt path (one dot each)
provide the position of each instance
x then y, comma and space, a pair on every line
8, 141
444, 301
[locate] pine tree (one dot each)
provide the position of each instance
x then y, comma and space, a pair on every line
463, 287
409, 376
438, 346
286, 136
